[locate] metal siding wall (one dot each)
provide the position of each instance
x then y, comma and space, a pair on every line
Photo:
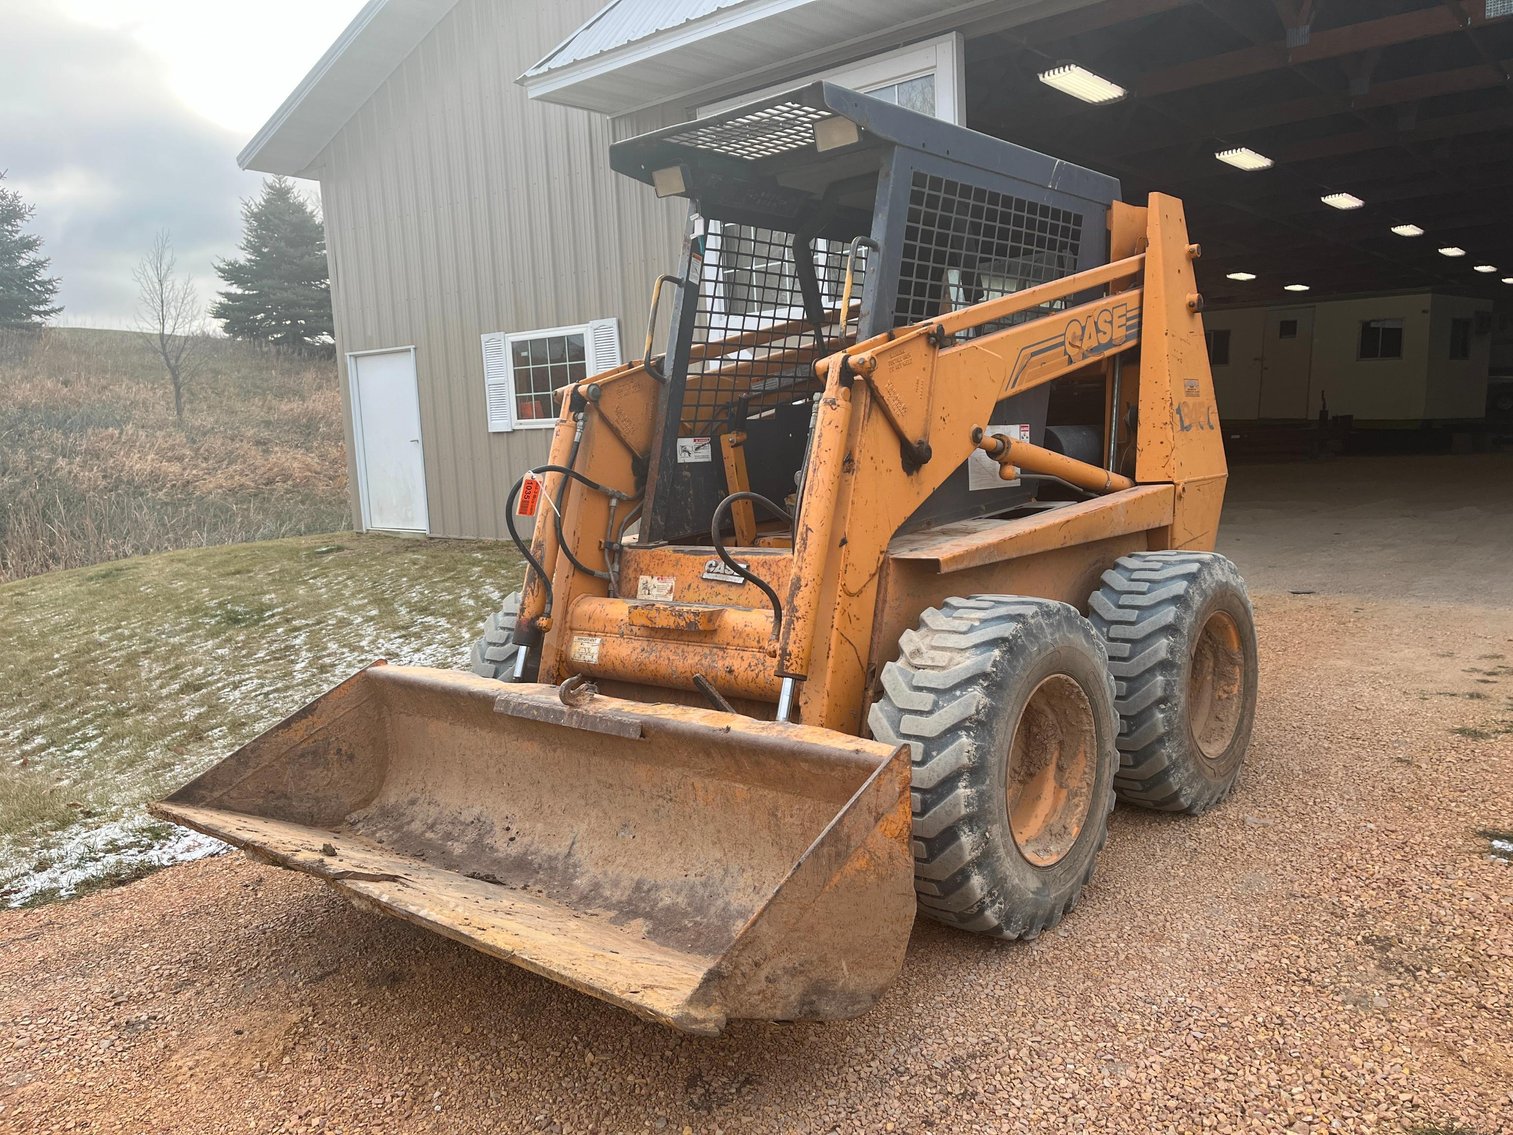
455, 206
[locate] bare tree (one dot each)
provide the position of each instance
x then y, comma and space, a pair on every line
168, 311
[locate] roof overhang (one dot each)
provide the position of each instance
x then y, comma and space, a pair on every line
615, 64
363, 56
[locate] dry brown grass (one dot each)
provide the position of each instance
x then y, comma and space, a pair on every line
31, 801
94, 466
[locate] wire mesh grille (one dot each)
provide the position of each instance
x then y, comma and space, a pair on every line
754, 342
964, 244
762, 133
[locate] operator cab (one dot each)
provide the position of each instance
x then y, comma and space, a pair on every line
789, 197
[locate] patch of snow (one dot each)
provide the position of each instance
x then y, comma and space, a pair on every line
89, 855
278, 673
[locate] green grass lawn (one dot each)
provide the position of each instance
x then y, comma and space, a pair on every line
125, 679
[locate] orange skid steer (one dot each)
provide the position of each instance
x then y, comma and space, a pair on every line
866, 595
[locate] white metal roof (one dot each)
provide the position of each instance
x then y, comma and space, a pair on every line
636, 53
626, 21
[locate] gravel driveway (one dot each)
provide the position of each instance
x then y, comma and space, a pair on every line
1330, 950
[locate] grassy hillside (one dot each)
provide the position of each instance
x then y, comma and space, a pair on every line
124, 680
94, 466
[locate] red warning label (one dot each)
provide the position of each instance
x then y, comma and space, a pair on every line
530, 497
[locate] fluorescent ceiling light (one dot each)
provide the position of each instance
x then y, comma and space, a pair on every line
1485, 268
1507, 279
1239, 275
1243, 157
1342, 200
1451, 250
1294, 287
1080, 83
1407, 230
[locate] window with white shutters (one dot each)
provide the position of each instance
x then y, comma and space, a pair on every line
524, 371
496, 383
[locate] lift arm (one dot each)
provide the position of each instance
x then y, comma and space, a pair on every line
930, 388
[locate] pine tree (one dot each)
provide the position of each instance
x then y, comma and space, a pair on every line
26, 292
278, 292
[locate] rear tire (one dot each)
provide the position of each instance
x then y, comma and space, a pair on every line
1182, 648
1008, 711
494, 653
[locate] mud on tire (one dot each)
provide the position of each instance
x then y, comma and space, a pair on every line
1182, 648
493, 655
1007, 708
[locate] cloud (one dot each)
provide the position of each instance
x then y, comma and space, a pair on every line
93, 136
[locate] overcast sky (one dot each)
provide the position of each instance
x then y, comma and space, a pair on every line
122, 117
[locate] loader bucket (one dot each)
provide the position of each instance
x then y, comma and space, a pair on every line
689, 865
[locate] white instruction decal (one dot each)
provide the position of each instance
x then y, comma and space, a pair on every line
982, 470
693, 450
586, 649
656, 586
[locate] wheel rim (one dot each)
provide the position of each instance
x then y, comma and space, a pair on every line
1216, 685
1052, 765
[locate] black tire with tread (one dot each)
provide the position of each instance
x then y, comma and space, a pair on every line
493, 655
1150, 610
955, 698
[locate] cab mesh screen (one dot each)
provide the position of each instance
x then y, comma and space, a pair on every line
964, 244
754, 344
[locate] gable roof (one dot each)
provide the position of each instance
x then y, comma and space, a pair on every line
376, 41
632, 53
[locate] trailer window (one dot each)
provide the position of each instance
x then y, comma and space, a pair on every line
1218, 347
1381, 339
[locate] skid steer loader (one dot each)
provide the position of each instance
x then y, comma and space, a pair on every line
866, 594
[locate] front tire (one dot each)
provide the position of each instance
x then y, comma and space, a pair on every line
1182, 648
494, 653
1008, 711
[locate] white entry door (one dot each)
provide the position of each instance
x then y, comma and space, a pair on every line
386, 429
1287, 363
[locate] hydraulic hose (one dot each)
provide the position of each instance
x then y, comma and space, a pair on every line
579, 477
572, 463
524, 548
716, 523
613, 494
